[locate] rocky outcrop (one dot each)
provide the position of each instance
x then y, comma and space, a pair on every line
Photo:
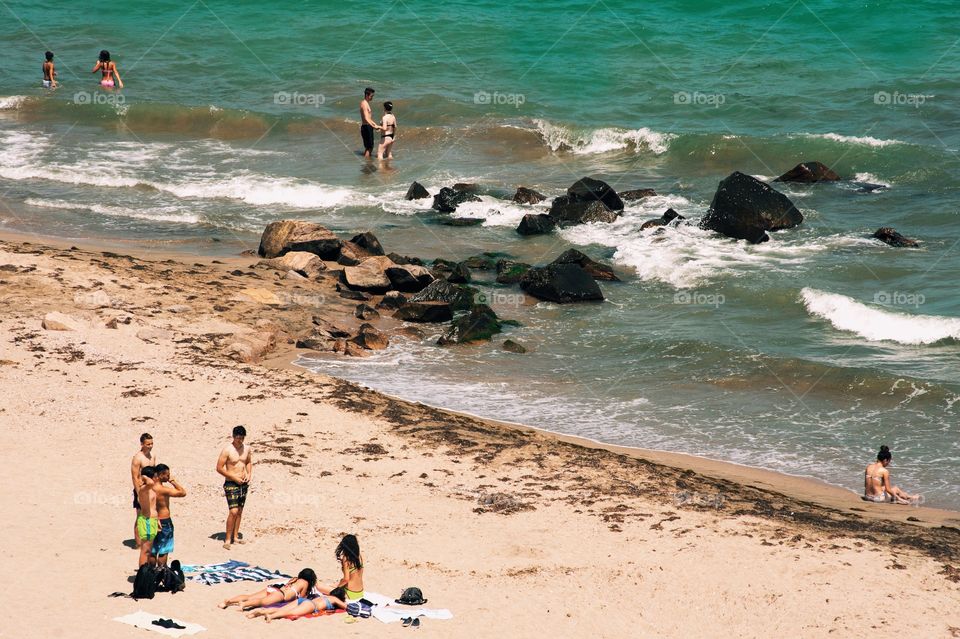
55, 321
251, 347
352, 254
404, 259
514, 347
365, 312
370, 338
368, 242
561, 283
460, 298
528, 196
416, 192
809, 172
447, 200
481, 323
889, 235
392, 300
460, 274
306, 264
566, 211
463, 221
323, 337
408, 278
668, 216
745, 208
536, 224
295, 235
510, 272
594, 269
482, 262
432, 311
636, 194
370, 275
589, 190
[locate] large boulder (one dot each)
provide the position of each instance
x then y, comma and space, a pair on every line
460, 298
536, 224
368, 242
370, 275
528, 196
483, 262
405, 259
481, 323
416, 192
295, 235
304, 263
596, 270
56, 321
392, 300
889, 235
809, 172
566, 211
460, 274
636, 194
589, 190
417, 311
668, 216
745, 208
370, 338
561, 283
352, 254
510, 272
447, 200
408, 278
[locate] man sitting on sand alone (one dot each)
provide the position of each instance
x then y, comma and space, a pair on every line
144, 457
163, 544
147, 523
876, 483
236, 465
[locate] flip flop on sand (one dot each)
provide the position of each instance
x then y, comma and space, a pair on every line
407, 621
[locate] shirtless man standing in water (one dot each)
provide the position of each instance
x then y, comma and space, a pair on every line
367, 125
144, 457
236, 466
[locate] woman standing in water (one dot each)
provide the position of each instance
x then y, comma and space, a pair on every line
388, 128
877, 486
108, 69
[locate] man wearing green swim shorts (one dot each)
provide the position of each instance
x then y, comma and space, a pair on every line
147, 523
236, 466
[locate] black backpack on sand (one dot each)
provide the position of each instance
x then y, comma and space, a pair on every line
171, 578
145, 583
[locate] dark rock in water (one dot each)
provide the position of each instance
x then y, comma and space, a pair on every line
466, 187
447, 200
890, 236
392, 299
368, 242
514, 347
460, 274
867, 187
404, 259
463, 221
809, 172
566, 211
408, 280
459, 297
293, 235
536, 224
590, 190
745, 208
528, 196
596, 270
481, 323
483, 262
510, 272
668, 216
441, 268
561, 283
370, 338
432, 312
636, 194
416, 192
365, 312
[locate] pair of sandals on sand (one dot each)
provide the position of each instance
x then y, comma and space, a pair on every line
167, 623
411, 621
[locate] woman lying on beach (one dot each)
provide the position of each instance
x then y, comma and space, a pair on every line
299, 586
108, 69
876, 483
348, 553
314, 602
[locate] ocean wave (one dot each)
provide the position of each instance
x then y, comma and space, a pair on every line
870, 178
604, 140
155, 214
852, 139
876, 325
12, 102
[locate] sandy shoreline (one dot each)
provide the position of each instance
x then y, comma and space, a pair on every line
518, 532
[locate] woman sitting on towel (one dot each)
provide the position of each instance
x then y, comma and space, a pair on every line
348, 553
313, 603
876, 483
297, 587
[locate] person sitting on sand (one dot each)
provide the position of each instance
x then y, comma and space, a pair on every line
109, 70
313, 602
348, 553
388, 129
297, 587
876, 482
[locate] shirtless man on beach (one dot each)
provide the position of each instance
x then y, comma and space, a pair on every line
236, 466
367, 125
144, 457
147, 523
163, 544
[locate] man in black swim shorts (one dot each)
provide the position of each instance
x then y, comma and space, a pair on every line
367, 125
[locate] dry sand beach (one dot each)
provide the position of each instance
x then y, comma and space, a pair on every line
519, 533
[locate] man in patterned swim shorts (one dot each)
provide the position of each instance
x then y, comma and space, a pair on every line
163, 543
236, 466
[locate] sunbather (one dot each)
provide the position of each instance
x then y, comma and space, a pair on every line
299, 586
348, 553
314, 602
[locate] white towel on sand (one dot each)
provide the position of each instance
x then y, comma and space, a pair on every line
389, 611
141, 619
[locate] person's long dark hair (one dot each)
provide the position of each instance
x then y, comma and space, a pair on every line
884, 454
349, 547
310, 577
104, 56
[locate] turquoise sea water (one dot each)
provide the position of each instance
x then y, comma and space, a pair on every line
802, 355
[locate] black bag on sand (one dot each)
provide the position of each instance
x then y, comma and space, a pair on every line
170, 578
411, 597
145, 583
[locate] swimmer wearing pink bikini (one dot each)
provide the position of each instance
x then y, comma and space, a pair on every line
108, 69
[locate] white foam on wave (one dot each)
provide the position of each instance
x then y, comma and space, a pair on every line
260, 190
12, 102
155, 214
852, 139
602, 140
847, 314
871, 179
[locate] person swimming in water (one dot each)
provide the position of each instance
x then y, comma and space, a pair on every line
876, 483
388, 128
49, 72
109, 70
